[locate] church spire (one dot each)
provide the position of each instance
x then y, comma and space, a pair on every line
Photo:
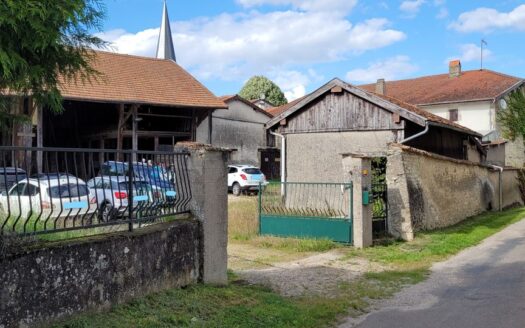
165, 49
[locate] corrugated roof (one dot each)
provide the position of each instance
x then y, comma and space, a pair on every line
140, 80
434, 89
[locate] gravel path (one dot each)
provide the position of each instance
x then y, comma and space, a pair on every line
320, 274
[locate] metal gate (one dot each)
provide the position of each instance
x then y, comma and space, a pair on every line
307, 210
379, 209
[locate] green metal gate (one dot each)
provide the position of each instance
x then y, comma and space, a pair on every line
307, 210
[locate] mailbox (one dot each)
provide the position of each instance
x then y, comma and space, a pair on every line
366, 196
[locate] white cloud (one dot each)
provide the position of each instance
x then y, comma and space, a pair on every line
443, 13
411, 7
236, 46
294, 83
487, 19
391, 69
341, 6
471, 52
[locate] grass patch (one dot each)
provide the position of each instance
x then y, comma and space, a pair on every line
243, 227
239, 305
434, 246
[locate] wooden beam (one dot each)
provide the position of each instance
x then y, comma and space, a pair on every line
164, 115
210, 127
39, 137
119, 130
134, 136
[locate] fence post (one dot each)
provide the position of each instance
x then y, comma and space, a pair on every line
208, 178
357, 169
130, 189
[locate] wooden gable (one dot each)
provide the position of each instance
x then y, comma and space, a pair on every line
341, 111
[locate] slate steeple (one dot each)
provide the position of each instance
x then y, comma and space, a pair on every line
165, 48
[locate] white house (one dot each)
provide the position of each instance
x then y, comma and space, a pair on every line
469, 98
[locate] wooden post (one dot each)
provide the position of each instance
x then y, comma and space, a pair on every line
193, 125
156, 147
120, 125
39, 137
134, 136
101, 155
210, 127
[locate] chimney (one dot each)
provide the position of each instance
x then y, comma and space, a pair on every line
381, 87
454, 68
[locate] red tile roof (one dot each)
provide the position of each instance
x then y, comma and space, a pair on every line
275, 111
469, 86
427, 115
140, 80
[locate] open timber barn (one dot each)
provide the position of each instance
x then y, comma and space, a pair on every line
133, 103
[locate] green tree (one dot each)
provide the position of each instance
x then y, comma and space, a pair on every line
258, 86
44, 42
512, 118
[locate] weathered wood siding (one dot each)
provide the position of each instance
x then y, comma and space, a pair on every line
340, 112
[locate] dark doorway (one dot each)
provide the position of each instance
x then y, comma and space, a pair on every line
271, 163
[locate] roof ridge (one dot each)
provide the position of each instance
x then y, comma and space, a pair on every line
442, 74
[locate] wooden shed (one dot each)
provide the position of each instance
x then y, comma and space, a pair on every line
339, 118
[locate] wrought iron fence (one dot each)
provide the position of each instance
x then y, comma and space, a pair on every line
380, 208
45, 190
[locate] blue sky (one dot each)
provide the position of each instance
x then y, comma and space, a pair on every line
301, 44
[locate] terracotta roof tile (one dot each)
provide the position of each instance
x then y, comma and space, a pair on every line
227, 99
427, 115
133, 79
469, 86
275, 111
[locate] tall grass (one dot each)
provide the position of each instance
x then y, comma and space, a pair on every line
243, 226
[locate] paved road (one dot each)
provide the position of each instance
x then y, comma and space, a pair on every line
481, 287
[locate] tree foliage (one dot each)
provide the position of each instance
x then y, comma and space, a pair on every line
43, 42
259, 86
512, 119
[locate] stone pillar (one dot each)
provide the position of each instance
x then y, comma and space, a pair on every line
357, 169
208, 178
399, 212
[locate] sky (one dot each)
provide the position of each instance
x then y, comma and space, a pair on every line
302, 44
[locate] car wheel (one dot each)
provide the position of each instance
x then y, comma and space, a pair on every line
236, 189
106, 213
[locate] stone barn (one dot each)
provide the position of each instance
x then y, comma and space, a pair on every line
241, 128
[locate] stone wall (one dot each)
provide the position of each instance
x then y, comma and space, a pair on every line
316, 157
57, 280
428, 191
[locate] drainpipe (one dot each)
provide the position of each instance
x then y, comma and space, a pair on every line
417, 135
283, 160
500, 170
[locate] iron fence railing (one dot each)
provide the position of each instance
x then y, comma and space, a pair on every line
45, 190
312, 200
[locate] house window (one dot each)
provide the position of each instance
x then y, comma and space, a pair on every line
453, 115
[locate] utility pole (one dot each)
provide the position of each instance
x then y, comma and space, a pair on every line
483, 43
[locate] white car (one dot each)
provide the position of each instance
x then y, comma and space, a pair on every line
111, 193
66, 197
245, 178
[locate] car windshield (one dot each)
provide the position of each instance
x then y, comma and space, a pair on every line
252, 171
68, 190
